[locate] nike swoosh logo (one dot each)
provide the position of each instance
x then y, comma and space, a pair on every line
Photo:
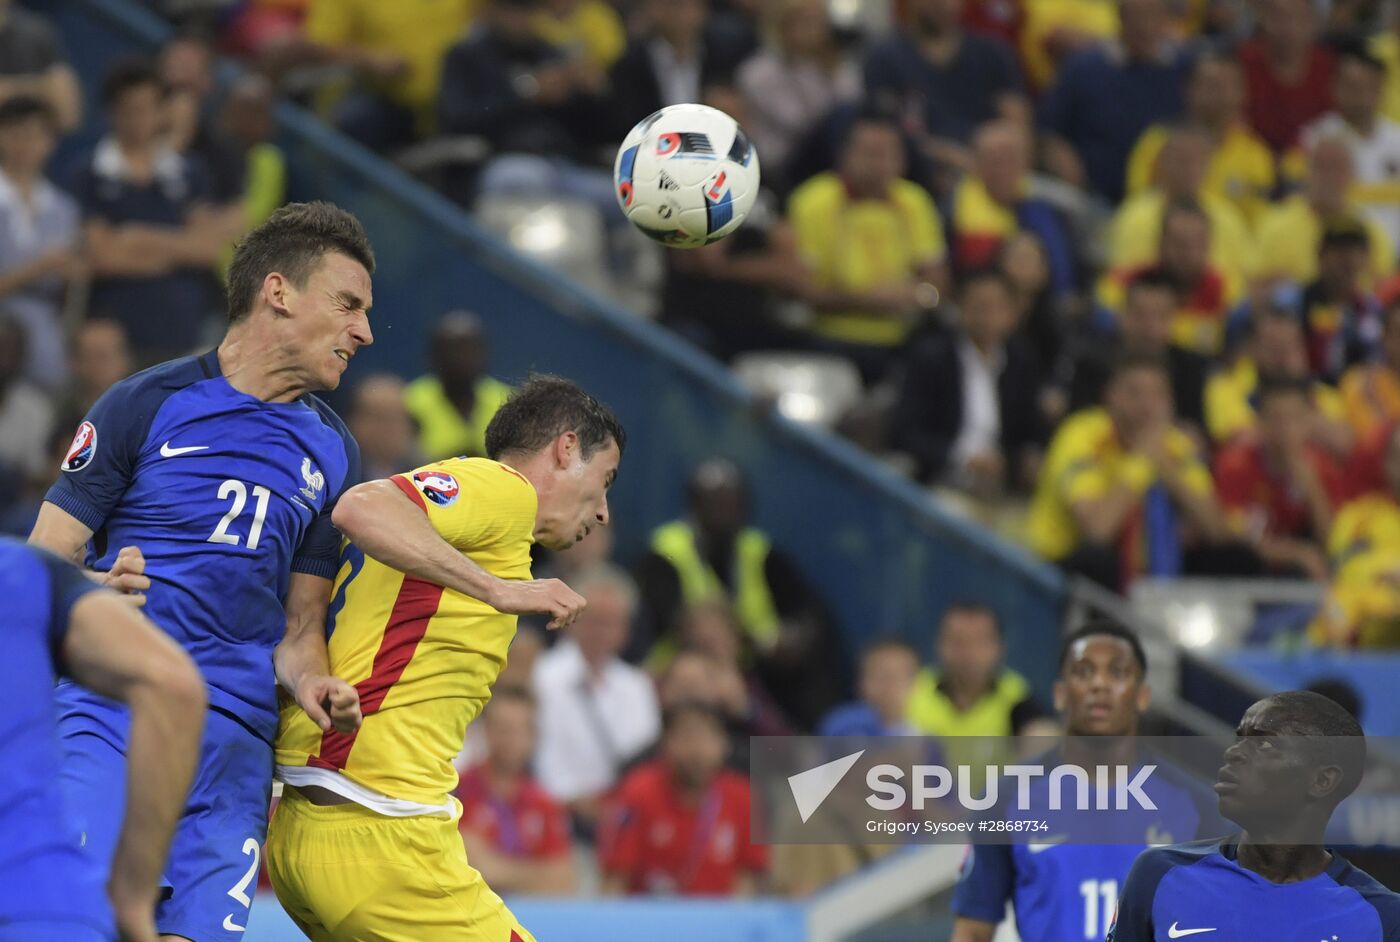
232, 926
167, 452
1040, 847
1175, 933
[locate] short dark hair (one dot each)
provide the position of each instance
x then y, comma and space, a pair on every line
1346, 233
1341, 692
970, 607
25, 108
1103, 628
1134, 360
545, 408
1343, 743
127, 74
292, 241
990, 273
1361, 56
1150, 279
1271, 385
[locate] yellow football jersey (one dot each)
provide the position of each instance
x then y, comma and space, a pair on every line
422, 657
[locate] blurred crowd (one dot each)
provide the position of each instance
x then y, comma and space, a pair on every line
1116, 276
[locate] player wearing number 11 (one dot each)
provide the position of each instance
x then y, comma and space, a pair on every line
217, 475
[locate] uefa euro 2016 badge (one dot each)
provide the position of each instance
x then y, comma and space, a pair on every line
438, 486
84, 446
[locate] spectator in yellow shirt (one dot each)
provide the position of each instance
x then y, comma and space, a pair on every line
1123, 492
396, 51
1371, 391
454, 403
1205, 293
1241, 166
1274, 347
875, 247
590, 30
1291, 231
1180, 177
1362, 608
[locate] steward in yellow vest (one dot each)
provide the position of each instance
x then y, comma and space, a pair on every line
455, 402
714, 555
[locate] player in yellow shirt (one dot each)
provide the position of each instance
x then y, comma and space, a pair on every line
364, 844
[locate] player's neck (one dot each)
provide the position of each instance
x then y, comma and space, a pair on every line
1284, 862
257, 365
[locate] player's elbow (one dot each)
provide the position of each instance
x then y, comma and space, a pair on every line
354, 511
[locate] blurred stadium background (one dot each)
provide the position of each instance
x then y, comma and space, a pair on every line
878, 439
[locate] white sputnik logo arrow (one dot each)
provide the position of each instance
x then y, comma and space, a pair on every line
810, 788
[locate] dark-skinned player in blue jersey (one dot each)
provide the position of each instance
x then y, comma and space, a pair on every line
1296, 756
1063, 885
59, 623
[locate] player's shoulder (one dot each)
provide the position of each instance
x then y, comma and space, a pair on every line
332, 421
326, 414
1385, 901
156, 383
1157, 861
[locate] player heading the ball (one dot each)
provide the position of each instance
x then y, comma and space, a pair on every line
436, 567
205, 486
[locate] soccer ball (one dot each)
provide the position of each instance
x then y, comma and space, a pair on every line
686, 176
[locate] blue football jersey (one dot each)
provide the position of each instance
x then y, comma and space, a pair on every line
1200, 889
43, 874
1064, 883
225, 495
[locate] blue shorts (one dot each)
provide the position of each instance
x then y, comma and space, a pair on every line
55, 931
212, 870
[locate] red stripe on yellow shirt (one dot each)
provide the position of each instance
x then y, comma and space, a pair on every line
414, 607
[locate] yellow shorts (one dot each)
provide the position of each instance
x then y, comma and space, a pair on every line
348, 874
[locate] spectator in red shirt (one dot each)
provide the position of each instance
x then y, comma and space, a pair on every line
680, 824
1287, 71
1279, 490
515, 834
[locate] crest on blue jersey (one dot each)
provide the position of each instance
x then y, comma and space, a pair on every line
84, 446
438, 486
315, 480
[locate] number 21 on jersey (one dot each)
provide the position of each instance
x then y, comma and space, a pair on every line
238, 492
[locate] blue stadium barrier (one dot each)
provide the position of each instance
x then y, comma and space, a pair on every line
603, 921
885, 557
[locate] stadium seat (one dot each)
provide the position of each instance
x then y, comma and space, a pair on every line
565, 235
809, 388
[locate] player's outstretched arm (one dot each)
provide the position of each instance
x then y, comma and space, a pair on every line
114, 650
66, 536
386, 525
301, 663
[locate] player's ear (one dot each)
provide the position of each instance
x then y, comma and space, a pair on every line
1058, 693
274, 291
565, 448
1326, 780
1144, 697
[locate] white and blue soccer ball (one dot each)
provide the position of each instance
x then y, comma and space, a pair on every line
686, 175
